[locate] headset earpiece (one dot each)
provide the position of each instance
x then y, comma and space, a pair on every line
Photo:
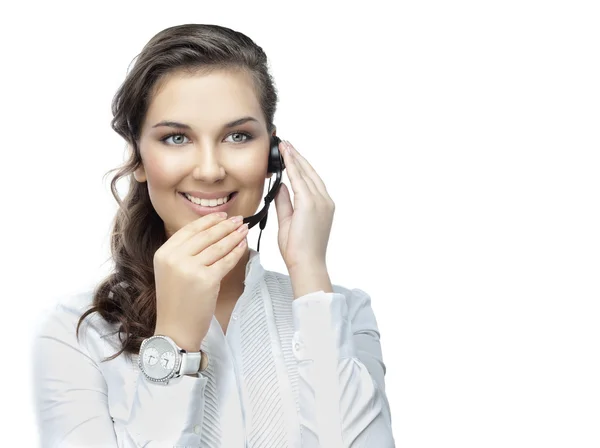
276, 162
275, 165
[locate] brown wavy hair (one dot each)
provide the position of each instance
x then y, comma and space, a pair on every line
127, 296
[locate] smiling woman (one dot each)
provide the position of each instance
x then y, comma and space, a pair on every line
212, 349
200, 152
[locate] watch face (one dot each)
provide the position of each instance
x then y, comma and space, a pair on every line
167, 359
150, 356
158, 360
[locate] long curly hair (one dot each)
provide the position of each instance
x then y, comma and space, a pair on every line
127, 297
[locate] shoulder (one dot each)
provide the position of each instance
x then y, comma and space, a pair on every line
62, 357
60, 318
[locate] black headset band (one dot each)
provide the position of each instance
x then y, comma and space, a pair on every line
276, 166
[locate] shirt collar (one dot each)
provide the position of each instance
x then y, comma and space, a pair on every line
254, 268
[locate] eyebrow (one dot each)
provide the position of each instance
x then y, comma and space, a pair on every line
231, 124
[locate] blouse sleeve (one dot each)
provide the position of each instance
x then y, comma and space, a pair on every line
71, 394
341, 372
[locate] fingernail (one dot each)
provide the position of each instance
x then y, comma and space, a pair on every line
289, 148
243, 228
237, 218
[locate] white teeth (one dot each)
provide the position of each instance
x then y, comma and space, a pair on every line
206, 202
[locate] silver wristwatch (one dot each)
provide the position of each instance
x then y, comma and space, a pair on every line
161, 360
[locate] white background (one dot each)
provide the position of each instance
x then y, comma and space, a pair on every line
459, 141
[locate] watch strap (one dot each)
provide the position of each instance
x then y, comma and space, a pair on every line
190, 362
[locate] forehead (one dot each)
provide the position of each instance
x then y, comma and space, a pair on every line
204, 100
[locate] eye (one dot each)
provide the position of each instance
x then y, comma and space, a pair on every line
166, 137
239, 137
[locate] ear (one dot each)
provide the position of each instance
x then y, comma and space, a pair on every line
140, 173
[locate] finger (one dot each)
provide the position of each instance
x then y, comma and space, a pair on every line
201, 240
309, 183
310, 172
296, 179
283, 204
225, 264
222, 247
195, 227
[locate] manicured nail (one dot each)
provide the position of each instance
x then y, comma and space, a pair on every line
289, 148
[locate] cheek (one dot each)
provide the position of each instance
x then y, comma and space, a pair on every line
161, 171
252, 169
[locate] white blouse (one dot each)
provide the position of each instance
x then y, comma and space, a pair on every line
289, 373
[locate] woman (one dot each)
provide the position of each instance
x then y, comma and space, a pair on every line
191, 342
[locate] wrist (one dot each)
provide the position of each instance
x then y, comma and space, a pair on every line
310, 278
182, 364
307, 267
189, 344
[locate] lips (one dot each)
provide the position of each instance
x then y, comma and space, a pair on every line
205, 210
228, 197
208, 196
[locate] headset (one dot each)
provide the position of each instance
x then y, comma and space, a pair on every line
276, 165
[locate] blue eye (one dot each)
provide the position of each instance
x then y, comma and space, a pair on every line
245, 134
166, 137
247, 138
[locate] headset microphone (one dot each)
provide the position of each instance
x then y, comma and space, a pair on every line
276, 166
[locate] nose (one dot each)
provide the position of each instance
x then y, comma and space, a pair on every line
207, 164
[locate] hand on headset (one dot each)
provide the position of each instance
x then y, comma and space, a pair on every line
304, 228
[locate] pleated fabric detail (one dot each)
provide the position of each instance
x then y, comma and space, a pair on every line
266, 428
211, 425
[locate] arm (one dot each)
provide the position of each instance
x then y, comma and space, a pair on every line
71, 394
341, 372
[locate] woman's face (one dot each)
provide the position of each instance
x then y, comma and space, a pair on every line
208, 157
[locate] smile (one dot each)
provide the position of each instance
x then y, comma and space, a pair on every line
197, 207
208, 202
